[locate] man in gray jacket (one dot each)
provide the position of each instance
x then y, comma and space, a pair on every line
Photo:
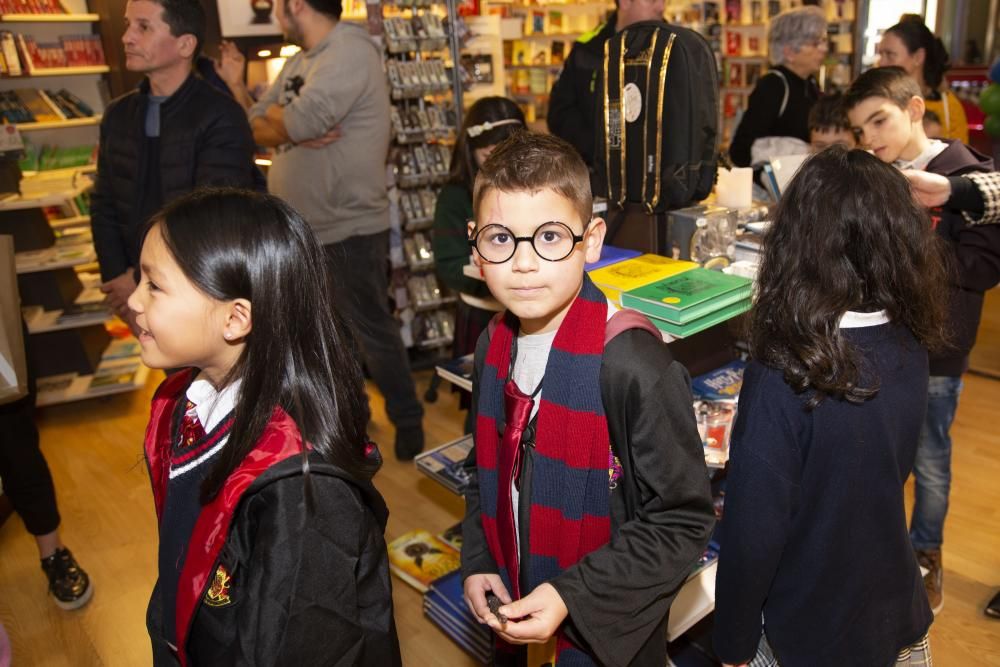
327, 118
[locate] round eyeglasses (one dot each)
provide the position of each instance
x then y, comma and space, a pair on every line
552, 241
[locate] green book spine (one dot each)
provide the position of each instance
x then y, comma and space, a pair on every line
691, 328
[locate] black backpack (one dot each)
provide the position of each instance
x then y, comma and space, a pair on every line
657, 117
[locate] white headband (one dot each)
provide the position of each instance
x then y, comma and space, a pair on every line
476, 130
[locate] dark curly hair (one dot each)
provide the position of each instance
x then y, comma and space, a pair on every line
848, 235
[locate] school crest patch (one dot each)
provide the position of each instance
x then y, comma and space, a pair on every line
218, 592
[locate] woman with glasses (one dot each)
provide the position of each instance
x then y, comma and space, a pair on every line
780, 103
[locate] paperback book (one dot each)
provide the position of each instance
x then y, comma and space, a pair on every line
458, 372
418, 558
611, 255
444, 464
722, 384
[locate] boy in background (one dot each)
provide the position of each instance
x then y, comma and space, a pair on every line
588, 500
886, 109
828, 124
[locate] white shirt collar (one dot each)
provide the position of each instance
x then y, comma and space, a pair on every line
212, 406
934, 148
855, 320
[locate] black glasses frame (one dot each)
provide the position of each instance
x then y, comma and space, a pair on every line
577, 238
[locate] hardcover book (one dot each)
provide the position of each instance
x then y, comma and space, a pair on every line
722, 384
611, 255
702, 323
418, 558
629, 274
444, 464
689, 296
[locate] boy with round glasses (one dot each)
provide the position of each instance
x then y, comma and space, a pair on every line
589, 501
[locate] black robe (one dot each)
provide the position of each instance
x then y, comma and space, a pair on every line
619, 596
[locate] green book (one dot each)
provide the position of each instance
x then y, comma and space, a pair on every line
687, 296
702, 323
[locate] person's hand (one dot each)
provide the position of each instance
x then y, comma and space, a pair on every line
325, 140
118, 290
929, 189
230, 64
540, 614
476, 588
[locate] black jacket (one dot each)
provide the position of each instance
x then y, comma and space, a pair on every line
975, 259
572, 102
205, 139
661, 511
763, 116
272, 555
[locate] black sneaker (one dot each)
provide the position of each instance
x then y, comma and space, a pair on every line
68, 583
409, 442
993, 608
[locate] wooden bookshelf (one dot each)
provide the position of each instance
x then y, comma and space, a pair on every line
79, 389
49, 18
63, 71
60, 124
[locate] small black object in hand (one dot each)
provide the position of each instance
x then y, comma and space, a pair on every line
495, 603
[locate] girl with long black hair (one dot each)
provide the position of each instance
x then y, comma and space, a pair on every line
816, 565
271, 532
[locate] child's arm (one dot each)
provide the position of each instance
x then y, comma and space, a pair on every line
315, 586
761, 493
618, 595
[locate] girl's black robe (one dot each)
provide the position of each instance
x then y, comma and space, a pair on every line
264, 582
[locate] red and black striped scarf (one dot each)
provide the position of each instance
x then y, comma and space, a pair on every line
570, 504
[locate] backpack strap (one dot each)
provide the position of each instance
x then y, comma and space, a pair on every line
626, 319
784, 99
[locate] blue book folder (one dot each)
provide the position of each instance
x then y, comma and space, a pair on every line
612, 255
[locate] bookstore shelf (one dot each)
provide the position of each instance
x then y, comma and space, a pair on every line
49, 321
50, 18
86, 257
62, 223
62, 71
20, 203
60, 124
79, 389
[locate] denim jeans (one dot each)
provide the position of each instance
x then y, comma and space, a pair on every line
359, 265
932, 468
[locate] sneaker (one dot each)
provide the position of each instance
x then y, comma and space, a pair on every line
68, 583
993, 608
409, 442
930, 560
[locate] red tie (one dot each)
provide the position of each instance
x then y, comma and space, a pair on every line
191, 429
517, 410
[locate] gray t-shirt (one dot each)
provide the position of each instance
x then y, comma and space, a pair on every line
339, 189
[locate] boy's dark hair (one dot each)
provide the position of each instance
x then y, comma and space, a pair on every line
829, 114
332, 8
530, 162
485, 110
847, 235
892, 83
241, 244
185, 17
915, 35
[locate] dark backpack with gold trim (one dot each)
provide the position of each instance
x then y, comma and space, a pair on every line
657, 117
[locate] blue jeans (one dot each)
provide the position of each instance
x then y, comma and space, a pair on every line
932, 468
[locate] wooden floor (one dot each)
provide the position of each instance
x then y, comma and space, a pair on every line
94, 450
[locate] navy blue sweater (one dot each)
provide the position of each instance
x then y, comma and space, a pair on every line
814, 535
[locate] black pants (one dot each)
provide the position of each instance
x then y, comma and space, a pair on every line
25, 474
359, 266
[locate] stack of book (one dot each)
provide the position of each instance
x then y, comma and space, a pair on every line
32, 7
28, 105
689, 300
629, 274
445, 606
419, 558
444, 464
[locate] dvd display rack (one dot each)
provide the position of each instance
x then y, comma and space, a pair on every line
426, 104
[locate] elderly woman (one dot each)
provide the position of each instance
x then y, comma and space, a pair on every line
780, 103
